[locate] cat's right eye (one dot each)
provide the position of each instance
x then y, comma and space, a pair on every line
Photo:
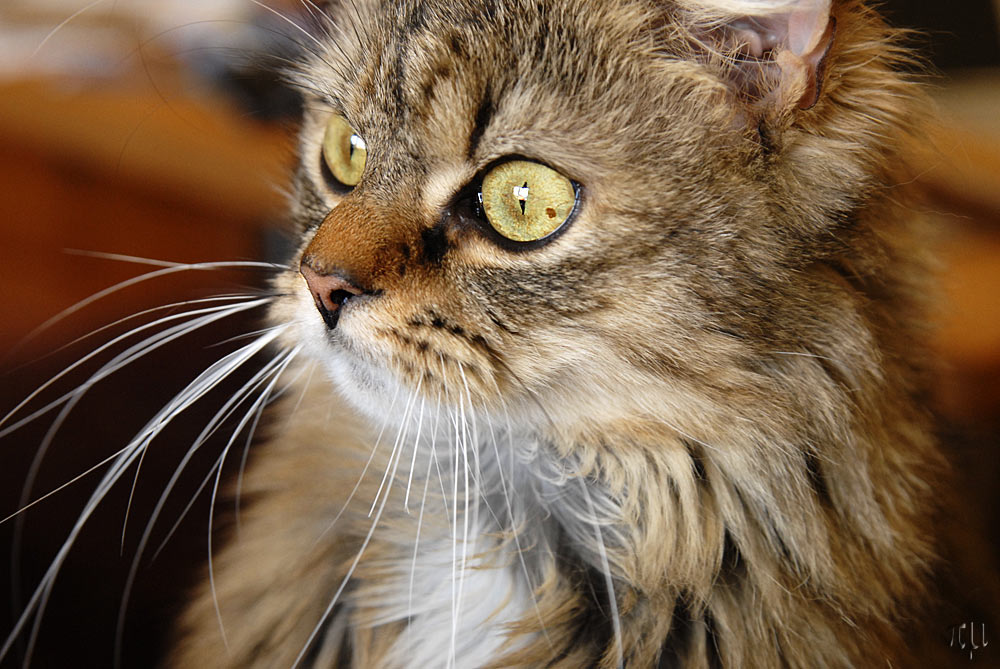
526, 201
344, 152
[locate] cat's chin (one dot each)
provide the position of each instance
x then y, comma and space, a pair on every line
369, 389
366, 386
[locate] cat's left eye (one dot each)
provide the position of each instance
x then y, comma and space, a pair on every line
344, 151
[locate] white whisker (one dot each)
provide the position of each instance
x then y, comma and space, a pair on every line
139, 314
364, 470
454, 534
515, 529
63, 24
139, 260
608, 580
63, 486
136, 351
194, 391
76, 395
413, 462
172, 269
433, 452
416, 541
257, 381
215, 423
347, 577
468, 442
119, 464
113, 365
253, 430
259, 402
397, 447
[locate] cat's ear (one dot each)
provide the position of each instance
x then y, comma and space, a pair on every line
777, 49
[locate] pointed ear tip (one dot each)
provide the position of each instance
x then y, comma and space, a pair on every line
808, 26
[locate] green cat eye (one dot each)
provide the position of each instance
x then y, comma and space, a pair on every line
344, 152
526, 201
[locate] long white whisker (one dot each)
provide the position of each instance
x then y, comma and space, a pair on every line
253, 334
139, 260
218, 476
483, 492
347, 577
173, 269
215, 424
124, 459
63, 486
514, 522
194, 391
29, 481
416, 545
253, 430
397, 447
454, 533
74, 396
454, 522
139, 314
434, 457
364, 470
217, 468
416, 446
608, 580
468, 442
36, 604
432, 461
121, 360
207, 316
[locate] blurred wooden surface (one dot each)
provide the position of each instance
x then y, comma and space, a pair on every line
125, 172
958, 168
117, 169
201, 154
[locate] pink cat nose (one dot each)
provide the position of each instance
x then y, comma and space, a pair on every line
329, 291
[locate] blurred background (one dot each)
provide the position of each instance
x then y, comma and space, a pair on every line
157, 129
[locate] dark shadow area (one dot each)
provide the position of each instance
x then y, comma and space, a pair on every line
78, 627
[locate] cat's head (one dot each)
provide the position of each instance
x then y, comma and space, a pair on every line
584, 213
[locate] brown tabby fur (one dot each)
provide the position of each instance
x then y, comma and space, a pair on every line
718, 364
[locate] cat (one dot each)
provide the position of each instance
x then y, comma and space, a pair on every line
620, 314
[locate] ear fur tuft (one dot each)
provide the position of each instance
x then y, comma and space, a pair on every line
794, 35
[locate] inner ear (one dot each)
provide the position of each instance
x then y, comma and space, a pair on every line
777, 49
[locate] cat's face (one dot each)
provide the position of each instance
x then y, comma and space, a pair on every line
667, 264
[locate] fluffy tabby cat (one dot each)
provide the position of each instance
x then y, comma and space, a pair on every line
627, 314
